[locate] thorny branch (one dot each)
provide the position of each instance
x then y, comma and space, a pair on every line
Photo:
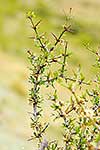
80, 129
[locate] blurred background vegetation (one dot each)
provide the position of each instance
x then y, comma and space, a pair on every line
14, 42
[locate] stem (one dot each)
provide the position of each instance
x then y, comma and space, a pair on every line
42, 45
64, 60
35, 100
58, 39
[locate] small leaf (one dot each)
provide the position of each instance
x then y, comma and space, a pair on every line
30, 14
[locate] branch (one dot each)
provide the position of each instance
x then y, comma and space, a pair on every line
42, 45
64, 60
58, 39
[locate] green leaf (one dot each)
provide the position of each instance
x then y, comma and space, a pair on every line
77, 129
30, 14
55, 106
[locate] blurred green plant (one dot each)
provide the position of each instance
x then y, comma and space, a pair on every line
80, 116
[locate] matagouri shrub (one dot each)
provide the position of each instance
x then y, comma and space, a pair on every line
80, 113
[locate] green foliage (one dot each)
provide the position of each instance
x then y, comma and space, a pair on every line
80, 115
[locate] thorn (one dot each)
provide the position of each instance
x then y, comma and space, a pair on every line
70, 11
42, 35
29, 52
37, 23
30, 113
54, 36
31, 37
66, 44
30, 139
67, 28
